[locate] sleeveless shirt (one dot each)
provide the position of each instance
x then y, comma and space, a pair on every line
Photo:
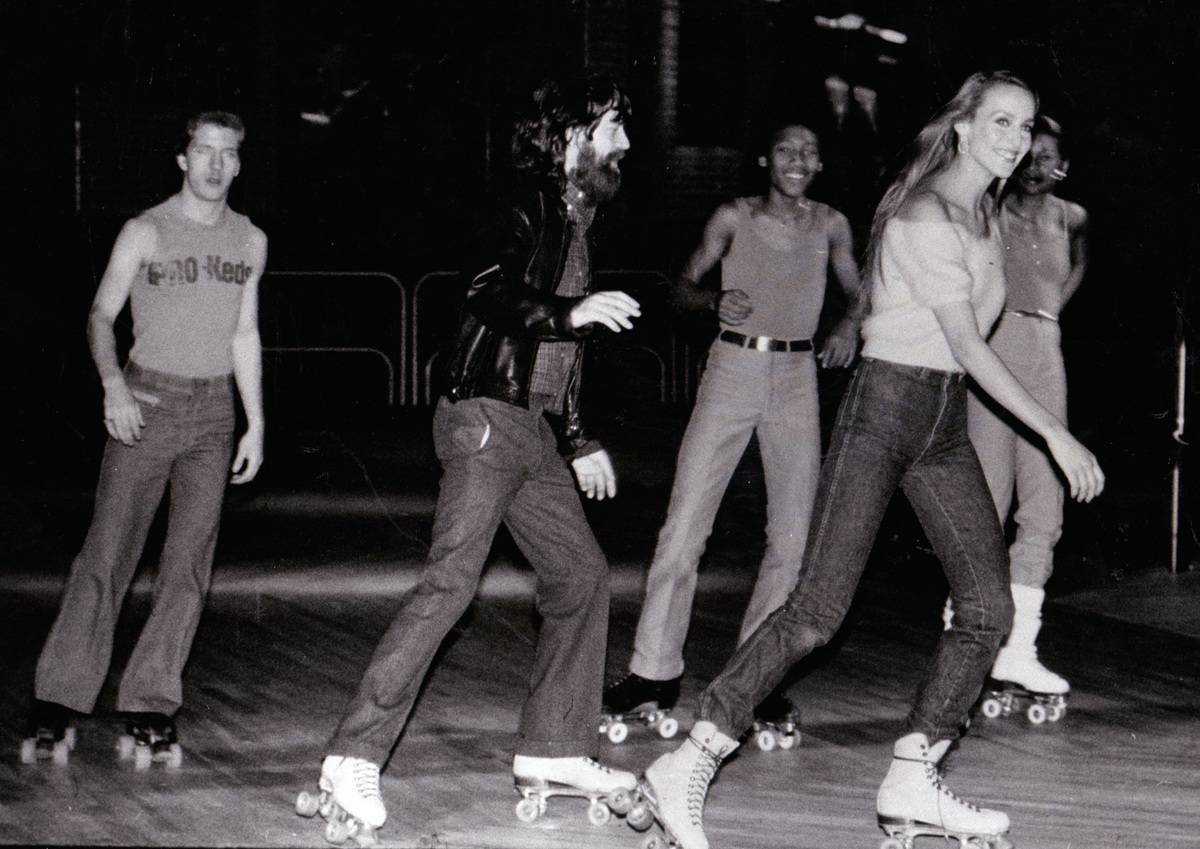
186, 297
1037, 260
784, 275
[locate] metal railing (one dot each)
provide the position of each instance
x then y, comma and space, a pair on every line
347, 315
390, 348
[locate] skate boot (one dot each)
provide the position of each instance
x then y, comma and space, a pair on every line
49, 735
913, 802
1019, 681
775, 722
150, 738
642, 700
349, 800
675, 786
608, 790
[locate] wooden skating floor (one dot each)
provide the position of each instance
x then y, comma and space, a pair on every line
274, 663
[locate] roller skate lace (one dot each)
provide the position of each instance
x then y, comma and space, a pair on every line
701, 776
935, 778
365, 776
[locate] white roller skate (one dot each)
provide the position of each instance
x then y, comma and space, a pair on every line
635, 699
674, 787
609, 791
50, 735
349, 800
1019, 680
913, 802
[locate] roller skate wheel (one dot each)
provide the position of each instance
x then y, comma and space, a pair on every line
529, 810
1036, 714
655, 842
765, 740
365, 836
991, 708
639, 817
28, 750
1055, 712
598, 813
788, 741
619, 801
142, 758
336, 831
668, 727
125, 747
893, 843
306, 804
69, 738
61, 753
617, 732
174, 757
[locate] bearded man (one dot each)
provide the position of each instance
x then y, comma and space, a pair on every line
512, 365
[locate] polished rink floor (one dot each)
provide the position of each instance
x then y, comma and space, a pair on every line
307, 581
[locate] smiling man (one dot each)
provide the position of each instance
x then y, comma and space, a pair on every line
190, 269
761, 378
513, 362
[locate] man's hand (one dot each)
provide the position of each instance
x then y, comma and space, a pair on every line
841, 345
612, 309
122, 414
249, 456
733, 306
595, 475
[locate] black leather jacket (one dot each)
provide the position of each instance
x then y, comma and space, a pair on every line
511, 307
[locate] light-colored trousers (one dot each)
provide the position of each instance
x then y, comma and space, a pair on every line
773, 394
1015, 461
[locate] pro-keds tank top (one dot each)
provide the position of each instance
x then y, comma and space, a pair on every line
1037, 261
782, 271
186, 298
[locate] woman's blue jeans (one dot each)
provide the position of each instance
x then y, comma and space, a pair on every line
898, 426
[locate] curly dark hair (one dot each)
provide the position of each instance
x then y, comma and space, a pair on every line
539, 139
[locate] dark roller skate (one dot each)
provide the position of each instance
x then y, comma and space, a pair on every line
150, 738
641, 700
775, 723
50, 735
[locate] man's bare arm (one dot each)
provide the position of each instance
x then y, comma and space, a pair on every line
718, 235
122, 415
842, 343
247, 371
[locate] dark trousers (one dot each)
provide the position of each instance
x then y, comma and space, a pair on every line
187, 443
897, 427
500, 464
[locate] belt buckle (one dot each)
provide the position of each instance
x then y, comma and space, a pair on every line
762, 343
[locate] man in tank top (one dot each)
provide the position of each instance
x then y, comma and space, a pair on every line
1044, 261
760, 378
189, 267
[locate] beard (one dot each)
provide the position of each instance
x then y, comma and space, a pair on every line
598, 179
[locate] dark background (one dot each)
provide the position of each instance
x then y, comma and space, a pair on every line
96, 93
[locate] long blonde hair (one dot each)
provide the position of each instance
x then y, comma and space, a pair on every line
933, 149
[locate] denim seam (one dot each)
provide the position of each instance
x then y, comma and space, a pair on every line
817, 531
937, 423
967, 560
